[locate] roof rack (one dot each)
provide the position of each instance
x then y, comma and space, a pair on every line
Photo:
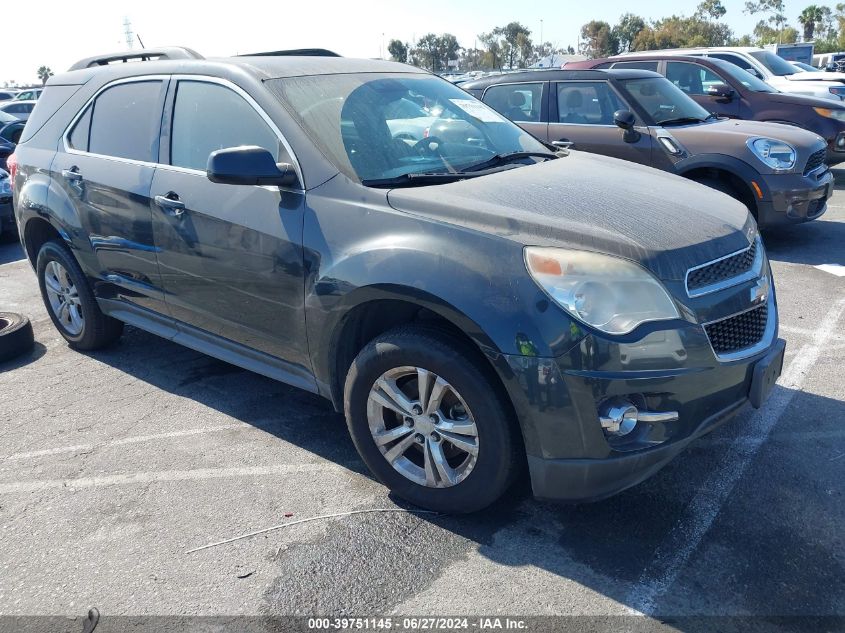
144, 55
296, 52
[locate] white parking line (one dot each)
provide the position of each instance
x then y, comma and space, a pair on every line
169, 475
684, 538
137, 439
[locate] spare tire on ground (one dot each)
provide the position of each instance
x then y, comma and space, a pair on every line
15, 335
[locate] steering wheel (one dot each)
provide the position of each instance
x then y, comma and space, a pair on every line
424, 146
658, 114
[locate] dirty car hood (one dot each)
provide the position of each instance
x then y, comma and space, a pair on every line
590, 202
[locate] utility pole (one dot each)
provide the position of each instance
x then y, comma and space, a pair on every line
127, 31
541, 33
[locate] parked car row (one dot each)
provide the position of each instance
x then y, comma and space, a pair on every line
474, 302
777, 171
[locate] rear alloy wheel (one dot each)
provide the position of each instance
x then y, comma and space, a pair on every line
70, 301
429, 421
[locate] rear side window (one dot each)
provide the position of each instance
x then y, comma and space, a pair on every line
518, 102
208, 117
53, 98
126, 121
692, 78
641, 65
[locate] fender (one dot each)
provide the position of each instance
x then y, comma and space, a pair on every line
730, 164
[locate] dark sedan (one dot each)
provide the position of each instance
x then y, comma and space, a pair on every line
727, 90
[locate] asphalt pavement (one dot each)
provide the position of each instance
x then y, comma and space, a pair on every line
114, 464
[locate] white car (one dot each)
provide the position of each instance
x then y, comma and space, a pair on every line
774, 70
19, 109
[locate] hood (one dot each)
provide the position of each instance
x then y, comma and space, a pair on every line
585, 201
819, 76
791, 98
728, 136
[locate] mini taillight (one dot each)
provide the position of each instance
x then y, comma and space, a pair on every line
12, 167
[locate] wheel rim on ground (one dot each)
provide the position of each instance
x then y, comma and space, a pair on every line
63, 297
423, 427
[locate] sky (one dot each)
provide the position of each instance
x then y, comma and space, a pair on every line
57, 34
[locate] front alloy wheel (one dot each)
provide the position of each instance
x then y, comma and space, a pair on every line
423, 427
63, 298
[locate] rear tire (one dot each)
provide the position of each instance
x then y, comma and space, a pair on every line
70, 301
449, 445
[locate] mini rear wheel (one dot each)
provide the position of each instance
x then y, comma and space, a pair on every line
70, 301
428, 421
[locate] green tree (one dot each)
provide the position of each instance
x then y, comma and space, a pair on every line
398, 50
492, 57
682, 32
775, 10
514, 43
44, 73
598, 40
627, 29
710, 10
434, 51
811, 18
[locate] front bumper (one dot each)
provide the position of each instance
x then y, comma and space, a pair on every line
794, 198
559, 401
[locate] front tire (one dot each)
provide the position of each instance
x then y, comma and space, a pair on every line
429, 423
70, 301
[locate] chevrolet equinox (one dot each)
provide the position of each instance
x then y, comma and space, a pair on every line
473, 302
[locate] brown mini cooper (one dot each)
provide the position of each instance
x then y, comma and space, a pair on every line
777, 170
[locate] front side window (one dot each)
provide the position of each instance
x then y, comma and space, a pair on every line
665, 103
362, 125
776, 64
732, 59
693, 79
208, 117
742, 76
126, 121
518, 102
586, 103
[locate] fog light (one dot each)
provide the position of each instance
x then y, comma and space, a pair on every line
840, 142
618, 417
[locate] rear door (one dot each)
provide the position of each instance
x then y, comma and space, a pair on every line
230, 255
694, 79
582, 114
524, 103
105, 170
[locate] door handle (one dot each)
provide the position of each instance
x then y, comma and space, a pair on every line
563, 143
171, 204
72, 174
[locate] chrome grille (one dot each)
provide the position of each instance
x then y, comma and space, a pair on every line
815, 161
721, 269
738, 332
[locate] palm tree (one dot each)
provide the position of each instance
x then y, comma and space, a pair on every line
809, 18
44, 73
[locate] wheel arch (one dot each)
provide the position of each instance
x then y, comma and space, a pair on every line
737, 174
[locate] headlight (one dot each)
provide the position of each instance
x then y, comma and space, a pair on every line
839, 91
830, 113
611, 294
776, 154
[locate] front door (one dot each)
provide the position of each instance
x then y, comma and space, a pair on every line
694, 79
230, 255
523, 103
581, 113
105, 171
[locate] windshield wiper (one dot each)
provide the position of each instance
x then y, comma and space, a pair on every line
503, 159
424, 178
683, 119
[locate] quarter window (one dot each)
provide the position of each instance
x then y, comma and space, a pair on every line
691, 78
208, 117
586, 103
79, 136
518, 102
126, 121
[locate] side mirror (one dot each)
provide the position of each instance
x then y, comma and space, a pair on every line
720, 91
248, 165
625, 119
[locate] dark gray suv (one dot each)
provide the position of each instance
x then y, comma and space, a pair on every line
471, 302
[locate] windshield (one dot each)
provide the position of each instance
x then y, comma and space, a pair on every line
664, 101
805, 67
776, 65
742, 76
382, 126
